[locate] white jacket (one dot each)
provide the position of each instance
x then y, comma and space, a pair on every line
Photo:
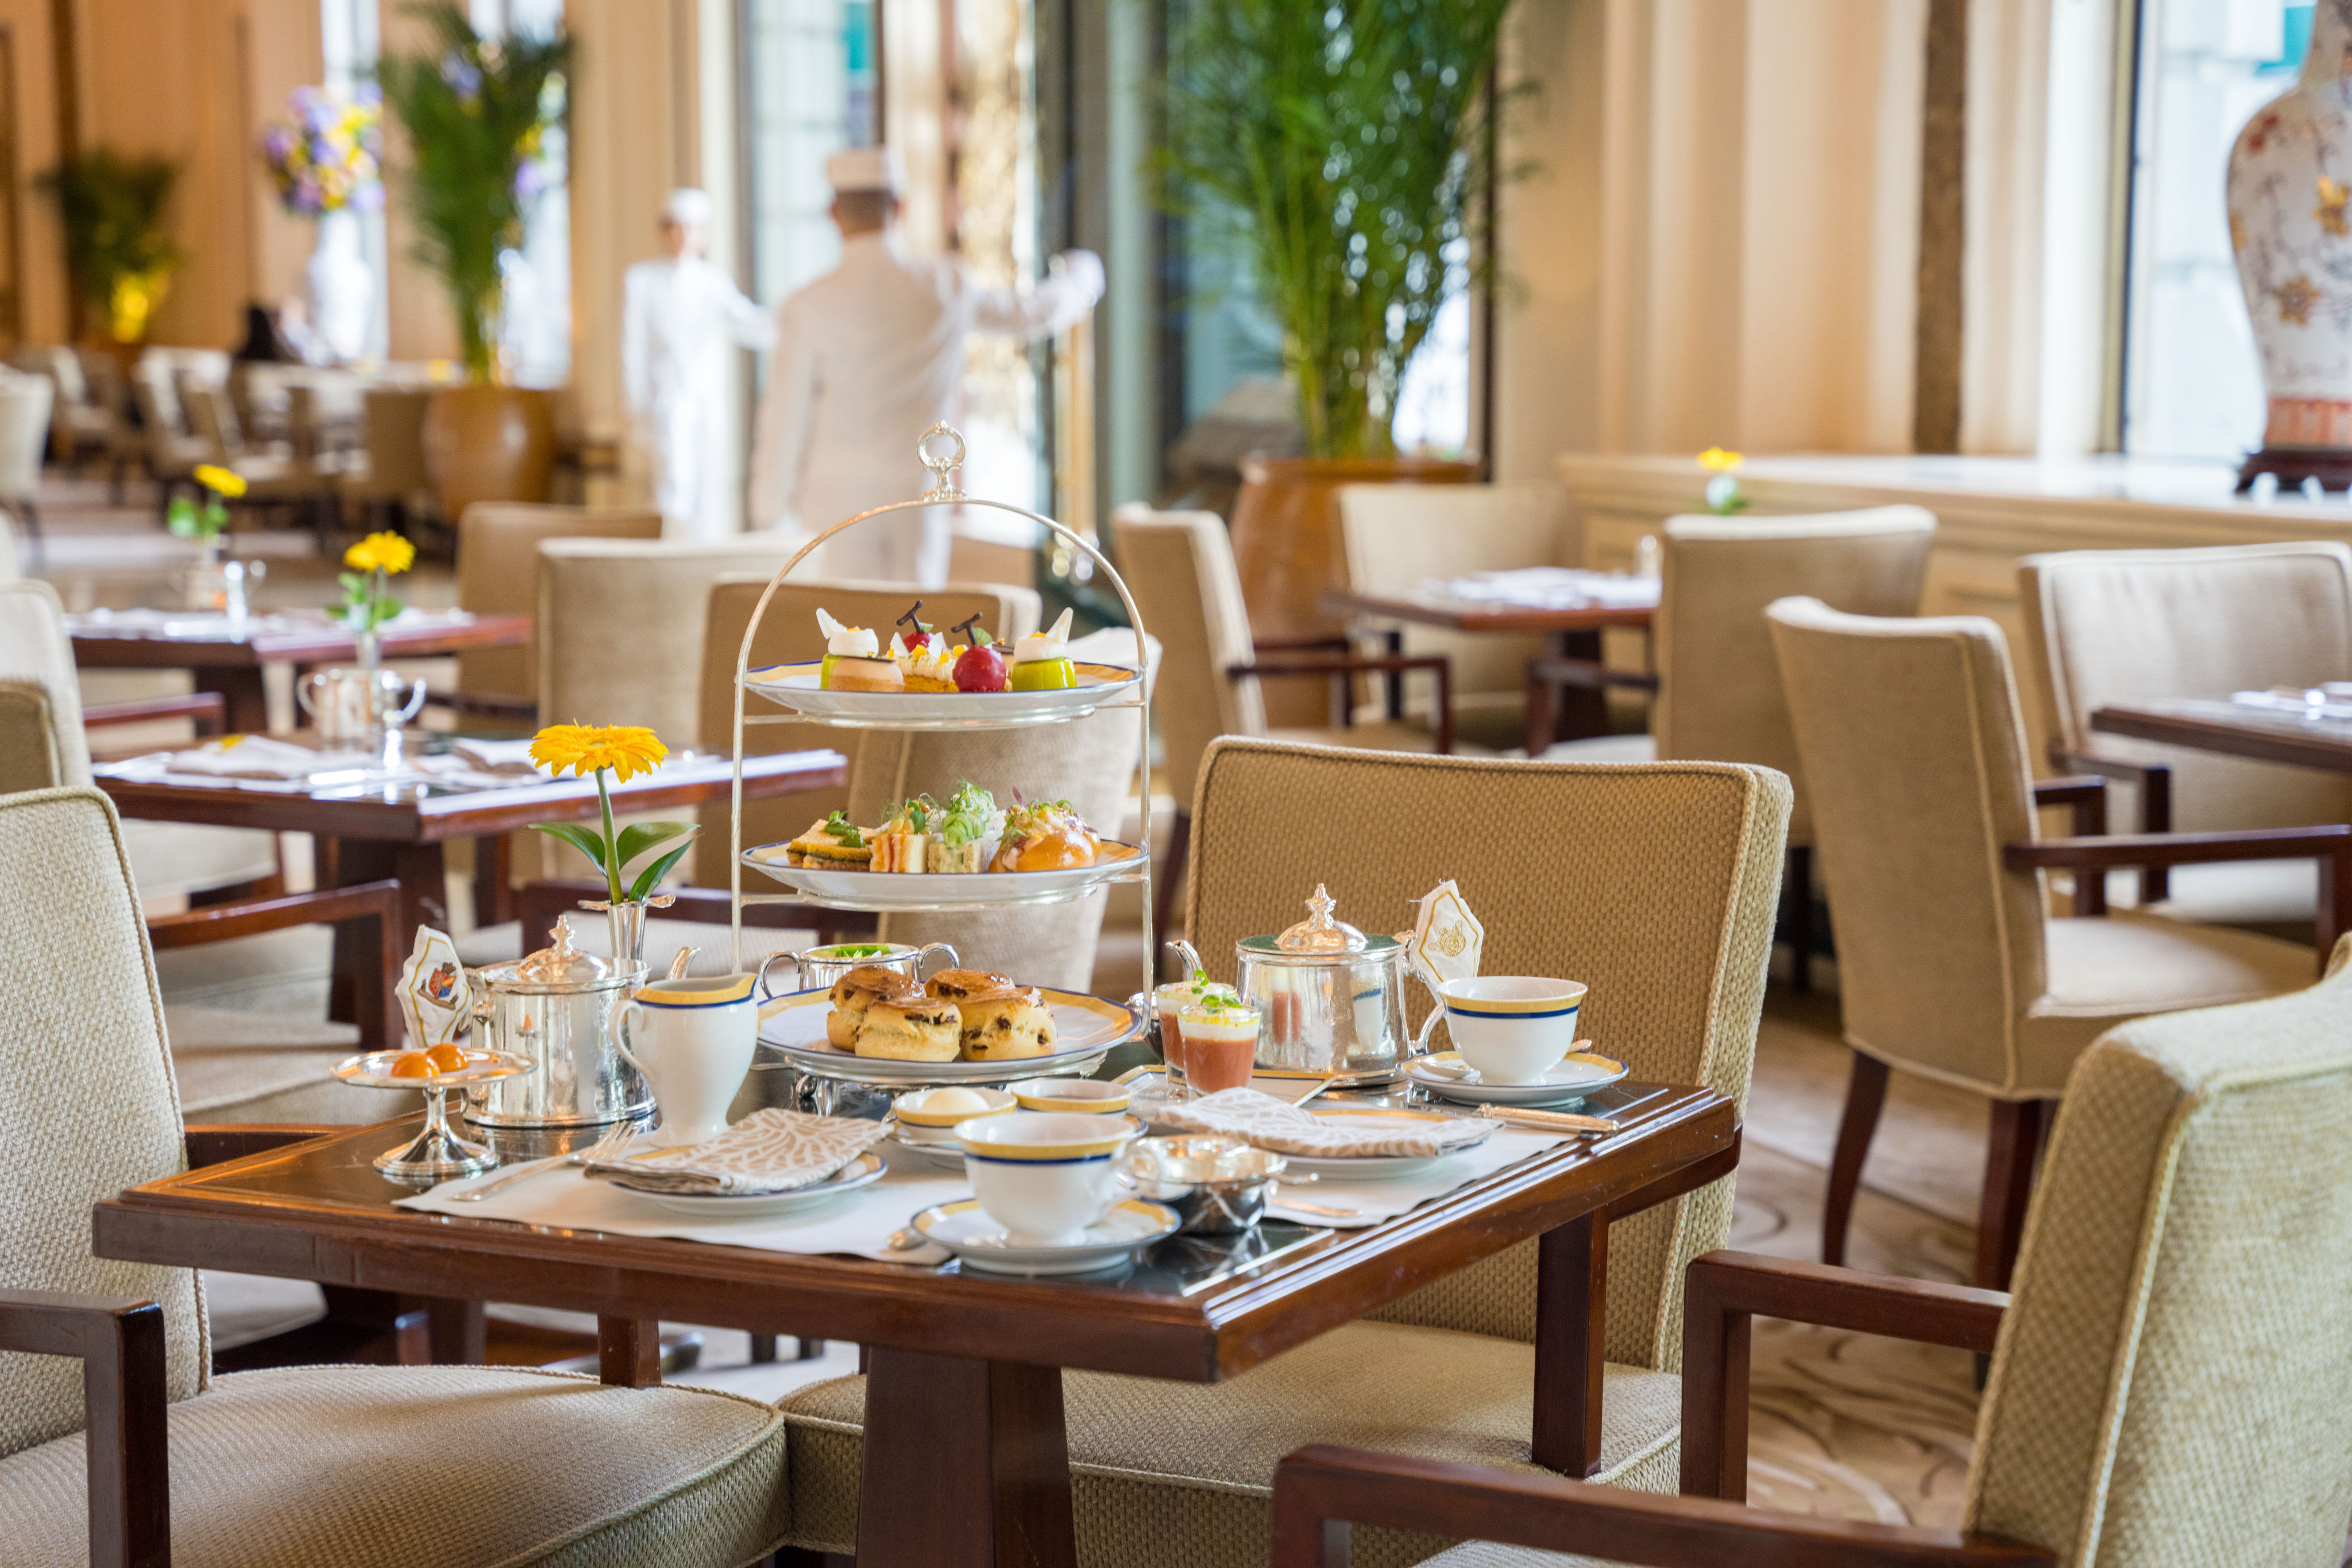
868, 358
682, 320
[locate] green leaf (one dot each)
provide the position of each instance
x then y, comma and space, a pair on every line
640, 837
182, 517
650, 877
578, 837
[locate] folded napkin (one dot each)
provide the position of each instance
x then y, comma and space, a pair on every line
260, 757
769, 1151
497, 756
1551, 587
1268, 1123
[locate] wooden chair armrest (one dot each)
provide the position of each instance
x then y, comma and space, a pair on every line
2087, 795
119, 1339
1318, 1491
538, 903
371, 979
218, 1142
1392, 663
1722, 1290
2154, 780
2329, 844
208, 708
489, 704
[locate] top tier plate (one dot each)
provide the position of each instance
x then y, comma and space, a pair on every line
794, 686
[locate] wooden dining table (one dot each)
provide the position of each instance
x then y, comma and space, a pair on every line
2233, 728
1566, 691
365, 831
965, 1456
229, 659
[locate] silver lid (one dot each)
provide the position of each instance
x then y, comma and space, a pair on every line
560, 967
1318, 932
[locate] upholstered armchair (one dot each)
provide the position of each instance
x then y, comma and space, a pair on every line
1949, 964
1180, 567
2172, 1382
1653, 883
2124, 626
390, 484
24, 405
119, 1447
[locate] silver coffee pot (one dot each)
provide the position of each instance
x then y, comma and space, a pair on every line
554, 1007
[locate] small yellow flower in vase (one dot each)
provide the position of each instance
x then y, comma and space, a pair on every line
1723, 493
624, 751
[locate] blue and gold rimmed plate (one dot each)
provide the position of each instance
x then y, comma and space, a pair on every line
1084, 1028
795, 686
719, 1208
1444, 1073
980, 1242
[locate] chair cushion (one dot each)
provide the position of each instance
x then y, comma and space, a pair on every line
266, 1067
169, 857
2104, 970
288, 972
1178, 1475
460, 1467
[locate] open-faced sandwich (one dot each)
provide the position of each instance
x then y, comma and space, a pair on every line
835, 844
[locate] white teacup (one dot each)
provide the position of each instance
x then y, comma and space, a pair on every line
1513, 1029
694, 1040
1044, 1176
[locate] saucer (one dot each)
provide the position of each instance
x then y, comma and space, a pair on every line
979, 1241
1574, 1078
862, 1172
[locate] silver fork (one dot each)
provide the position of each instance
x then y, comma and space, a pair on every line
620, 1133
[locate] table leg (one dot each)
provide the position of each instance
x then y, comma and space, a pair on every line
1583, 710
628, 1351
494, 881
423, 873
1571, 1341
1004, 1502
245, 701
457, 1331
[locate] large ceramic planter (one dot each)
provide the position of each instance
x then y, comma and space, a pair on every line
484, 442
2290, 181
1287, 544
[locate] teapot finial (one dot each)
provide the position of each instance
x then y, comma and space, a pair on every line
1320, 932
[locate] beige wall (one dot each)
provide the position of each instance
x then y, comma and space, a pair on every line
1719, 242
33, 48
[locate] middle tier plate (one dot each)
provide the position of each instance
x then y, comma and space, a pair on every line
1114, 861
1084, 1027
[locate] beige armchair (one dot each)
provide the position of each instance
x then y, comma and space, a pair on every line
140, 1455
170, 448
24, 403
1654, 884
1397, 536
1949, 964
2125, 625
2172, 1382
391, 485
1180, 567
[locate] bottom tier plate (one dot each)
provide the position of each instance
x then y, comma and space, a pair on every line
1084, 1027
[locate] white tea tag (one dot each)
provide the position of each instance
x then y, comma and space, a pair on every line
433, 991
1446, 942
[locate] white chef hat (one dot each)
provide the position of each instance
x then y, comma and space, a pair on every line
687, 205
867, 169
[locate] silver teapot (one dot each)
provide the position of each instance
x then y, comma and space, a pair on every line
554, 1007
1330, 999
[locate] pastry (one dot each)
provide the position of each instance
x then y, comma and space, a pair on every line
910, 1027
922, 656
835, 844
955, 984
1005, 1024
856, 991
1040, 661
1048, 836
979, 667
853, 659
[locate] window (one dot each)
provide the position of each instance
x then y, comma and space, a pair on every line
809, 91
2192, 386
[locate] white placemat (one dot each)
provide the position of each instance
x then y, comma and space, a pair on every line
1550, 587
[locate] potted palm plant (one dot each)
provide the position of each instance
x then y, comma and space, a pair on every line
1342, 149
475, 110
118, 253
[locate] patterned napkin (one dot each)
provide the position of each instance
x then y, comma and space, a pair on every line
1269, 1124
769, 1151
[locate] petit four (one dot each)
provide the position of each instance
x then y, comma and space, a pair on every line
979, 668
1040, 661
853, 659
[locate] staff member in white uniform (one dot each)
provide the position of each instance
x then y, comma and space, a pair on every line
868, 358
680, 316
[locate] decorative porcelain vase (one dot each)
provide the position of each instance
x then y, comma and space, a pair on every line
340, 283
2290, 179
487, 442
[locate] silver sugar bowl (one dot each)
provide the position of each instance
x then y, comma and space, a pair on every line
1217, 1185
553, 1006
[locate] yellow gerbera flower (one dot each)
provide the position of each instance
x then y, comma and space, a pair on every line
223, 482
581, 749
1716, 460
385, 551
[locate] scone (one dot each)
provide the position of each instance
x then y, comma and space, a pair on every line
852, 994
955, 984
911, 1028
1006, 1025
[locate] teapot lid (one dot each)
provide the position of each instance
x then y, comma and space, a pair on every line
1318, 932
561, 967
